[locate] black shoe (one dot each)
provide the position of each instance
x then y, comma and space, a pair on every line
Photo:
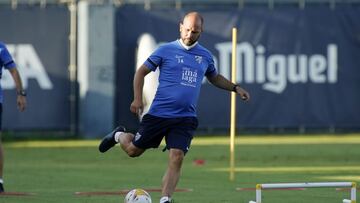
109, 140
1, 188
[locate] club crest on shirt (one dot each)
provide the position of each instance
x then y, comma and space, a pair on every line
189, 77
198, 59
137, 136
180, 59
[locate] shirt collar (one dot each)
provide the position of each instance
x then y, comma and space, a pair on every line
186, 46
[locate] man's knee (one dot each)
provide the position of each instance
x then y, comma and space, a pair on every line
176, 156
133, 151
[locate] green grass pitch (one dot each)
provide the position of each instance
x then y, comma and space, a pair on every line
52, 171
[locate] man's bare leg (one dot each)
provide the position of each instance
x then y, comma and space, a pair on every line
125, 140
172, 174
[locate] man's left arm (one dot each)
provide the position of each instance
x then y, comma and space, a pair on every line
223, 83
21, 95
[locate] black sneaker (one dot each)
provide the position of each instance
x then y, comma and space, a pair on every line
1, 188
109, 140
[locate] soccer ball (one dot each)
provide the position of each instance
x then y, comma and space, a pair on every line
137, 196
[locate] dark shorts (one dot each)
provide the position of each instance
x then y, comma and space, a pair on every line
178, 132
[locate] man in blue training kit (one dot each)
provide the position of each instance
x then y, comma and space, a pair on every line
8, 63
183, 64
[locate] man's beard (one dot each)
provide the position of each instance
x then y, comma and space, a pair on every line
189, 42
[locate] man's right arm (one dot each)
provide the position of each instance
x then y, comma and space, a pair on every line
137, 105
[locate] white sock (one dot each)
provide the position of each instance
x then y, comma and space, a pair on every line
165, 199
117, 136
1, 181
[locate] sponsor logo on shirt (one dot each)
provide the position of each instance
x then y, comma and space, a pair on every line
137, 136
189, 77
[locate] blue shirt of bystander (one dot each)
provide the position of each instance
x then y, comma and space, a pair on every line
7, 62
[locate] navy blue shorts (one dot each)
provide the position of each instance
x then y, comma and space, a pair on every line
178, 132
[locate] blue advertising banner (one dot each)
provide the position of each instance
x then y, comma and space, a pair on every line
301, 66
37, 38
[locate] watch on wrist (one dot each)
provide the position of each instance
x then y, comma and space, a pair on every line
234, 88
22, 93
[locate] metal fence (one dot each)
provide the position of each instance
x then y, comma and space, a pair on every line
179, 4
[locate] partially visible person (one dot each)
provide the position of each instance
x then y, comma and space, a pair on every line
7, 62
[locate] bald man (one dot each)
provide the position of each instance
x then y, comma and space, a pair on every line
182, 63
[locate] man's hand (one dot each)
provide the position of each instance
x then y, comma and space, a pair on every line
243, 93
136, 107
21, 102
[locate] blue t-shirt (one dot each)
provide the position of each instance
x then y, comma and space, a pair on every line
181, 75
6, 61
